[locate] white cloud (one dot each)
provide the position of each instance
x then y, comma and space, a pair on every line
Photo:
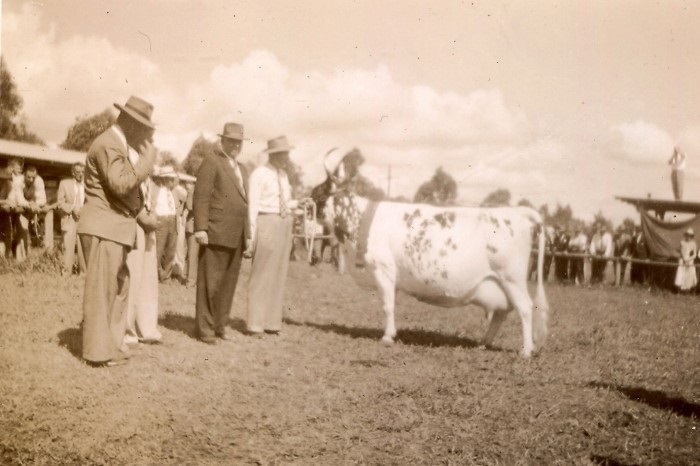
477, 137
641, 142
62, 79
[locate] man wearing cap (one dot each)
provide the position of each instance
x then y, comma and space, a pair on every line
117, 164
270, 217
220, 205
166, 210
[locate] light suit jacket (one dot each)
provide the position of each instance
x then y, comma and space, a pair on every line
66, 201
112, 190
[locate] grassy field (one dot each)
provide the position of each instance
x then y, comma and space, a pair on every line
617, 384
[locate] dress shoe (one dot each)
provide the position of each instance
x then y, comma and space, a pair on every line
151, 341
225, 336
255, 334
209, 340
116, 362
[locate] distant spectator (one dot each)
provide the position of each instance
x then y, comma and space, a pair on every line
601, 248
166, 211
192, 244
561, 264
179, 268
639, 272
686, 278
622, 251
5, 213
677, 162
34, 196
577, 245
71, 197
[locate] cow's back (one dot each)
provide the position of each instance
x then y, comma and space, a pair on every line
441, 254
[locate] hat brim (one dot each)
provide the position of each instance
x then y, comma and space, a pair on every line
278, 149
136, 116
231, 137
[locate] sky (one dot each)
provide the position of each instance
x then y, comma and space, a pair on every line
557, 101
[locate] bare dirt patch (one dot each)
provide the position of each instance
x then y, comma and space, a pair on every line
619, 382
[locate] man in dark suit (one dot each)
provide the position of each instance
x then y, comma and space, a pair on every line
118, 161
221, 228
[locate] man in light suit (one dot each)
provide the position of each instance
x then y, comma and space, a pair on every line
222, 231
71, 197
118, 162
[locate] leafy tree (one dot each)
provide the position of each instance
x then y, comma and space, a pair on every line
562, 216
12, 122
365, 188
201, 147
86, 129
525, 203
500, 197
167, 158
441, 189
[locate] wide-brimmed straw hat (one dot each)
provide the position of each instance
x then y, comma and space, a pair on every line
233, 131
278, 144
139, 110
165, 171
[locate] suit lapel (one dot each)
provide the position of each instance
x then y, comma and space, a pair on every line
232, 173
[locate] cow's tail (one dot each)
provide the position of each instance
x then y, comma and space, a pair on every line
541, 310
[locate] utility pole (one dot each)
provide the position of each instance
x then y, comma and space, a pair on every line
388, 182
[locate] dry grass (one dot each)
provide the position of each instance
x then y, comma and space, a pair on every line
619, 383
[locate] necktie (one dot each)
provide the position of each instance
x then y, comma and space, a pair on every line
237, 171
283, 202
78, 203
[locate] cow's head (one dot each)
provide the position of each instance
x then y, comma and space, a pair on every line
342, 166
343, 212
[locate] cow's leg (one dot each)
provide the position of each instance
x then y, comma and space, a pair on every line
386, 282
491, 296
495, 321
520, 300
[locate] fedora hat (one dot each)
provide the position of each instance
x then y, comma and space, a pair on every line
689, 232
233, 131
139, 110
166, 171
278, 144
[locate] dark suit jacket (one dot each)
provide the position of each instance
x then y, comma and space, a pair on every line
112, 194
220, 204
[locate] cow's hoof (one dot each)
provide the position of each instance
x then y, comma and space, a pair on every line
387, 340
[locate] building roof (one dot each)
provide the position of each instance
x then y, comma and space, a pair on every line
662, 205
39, 153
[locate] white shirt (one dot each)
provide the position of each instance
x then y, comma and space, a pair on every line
605, 247
264, 193
165, 203
79, 194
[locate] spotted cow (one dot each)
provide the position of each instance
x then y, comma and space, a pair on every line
447, 256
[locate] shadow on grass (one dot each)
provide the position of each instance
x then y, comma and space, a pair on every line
185, 324
605, 461
407, 336
72, 340
654, 398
